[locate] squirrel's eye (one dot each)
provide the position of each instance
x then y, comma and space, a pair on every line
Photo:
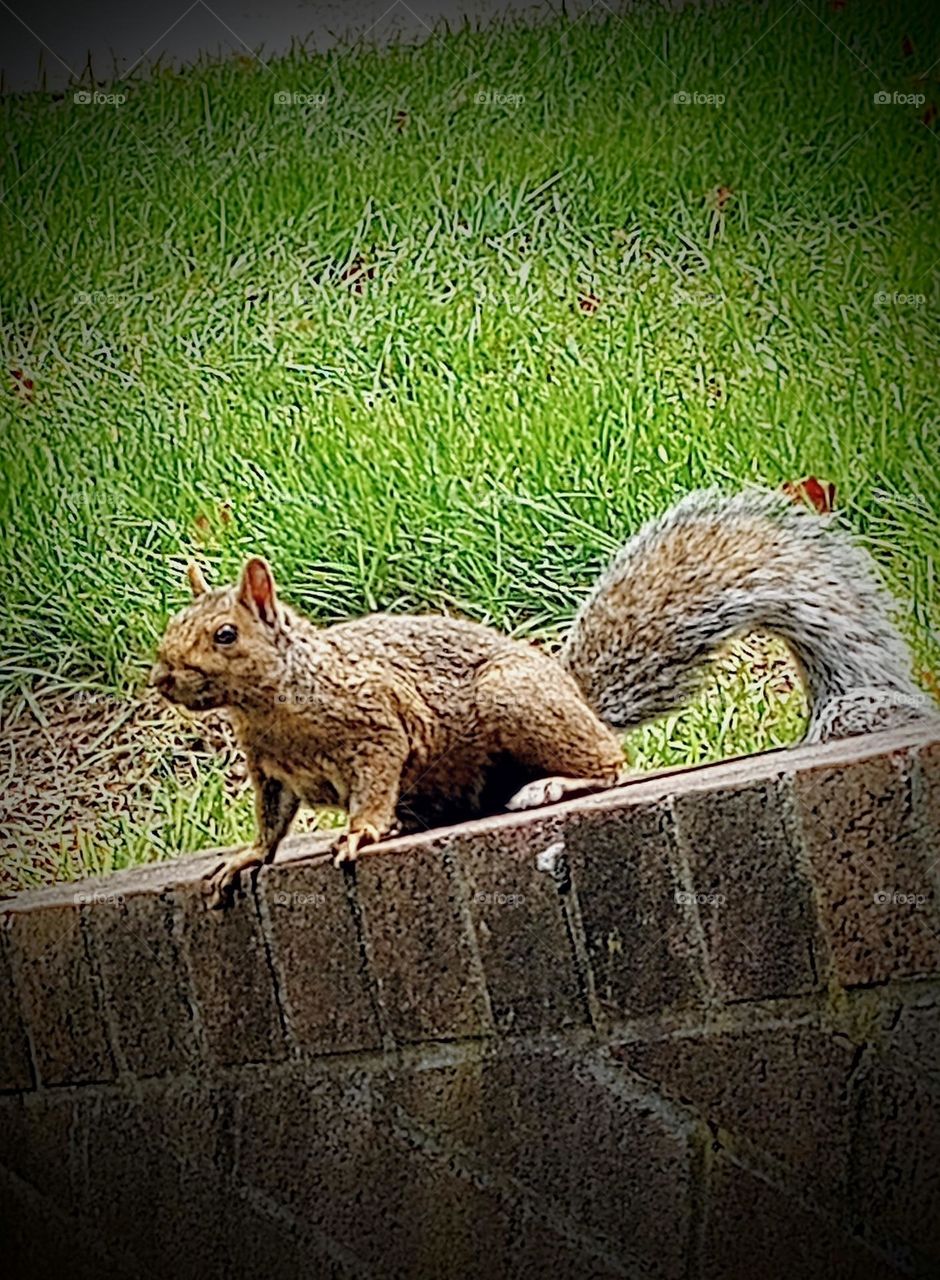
226, 634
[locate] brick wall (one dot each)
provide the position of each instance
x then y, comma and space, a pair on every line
686, 1029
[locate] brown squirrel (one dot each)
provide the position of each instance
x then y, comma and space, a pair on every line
411, 722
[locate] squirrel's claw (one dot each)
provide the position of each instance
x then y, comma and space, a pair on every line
217, 889
221, 885
346, 849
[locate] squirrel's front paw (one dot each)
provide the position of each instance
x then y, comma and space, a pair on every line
220, 886
346, 848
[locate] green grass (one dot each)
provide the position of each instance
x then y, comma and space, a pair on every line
456, 431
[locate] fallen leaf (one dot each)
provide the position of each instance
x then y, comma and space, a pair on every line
22, 385
588, 303
356, 274
721, 196
810, 492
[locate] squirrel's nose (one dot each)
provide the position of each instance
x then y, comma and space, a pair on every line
161, 677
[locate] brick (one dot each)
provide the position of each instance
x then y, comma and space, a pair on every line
11, 1128
144, 981
639, 939
420, 946
59, 995
324, 983
37, 1240
16, 1067
445, 1225
151, 877
463, 1231
521, 930
917, 1034
897, 1151
159, 1169
331, 1155
300, 1140
231, 978
539, 1251
321, 1177
754, 902
162, 1190
925, 787
522, 1118
783, 1090
319, 1151
250, 1243
753, 1229
42, 1138
871, 870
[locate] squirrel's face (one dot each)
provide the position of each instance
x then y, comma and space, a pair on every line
222, 650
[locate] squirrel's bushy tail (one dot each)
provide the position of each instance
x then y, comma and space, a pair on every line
715, 566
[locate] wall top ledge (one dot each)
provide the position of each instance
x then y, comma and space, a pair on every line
726, 775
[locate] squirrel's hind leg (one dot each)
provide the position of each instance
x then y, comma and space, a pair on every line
553, 790
537, 714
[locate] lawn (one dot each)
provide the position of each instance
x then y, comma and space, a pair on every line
434, 328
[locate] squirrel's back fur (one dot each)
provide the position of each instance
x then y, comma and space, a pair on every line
715, 566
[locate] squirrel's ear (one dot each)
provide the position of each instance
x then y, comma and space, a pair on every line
196, 580
256, 589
